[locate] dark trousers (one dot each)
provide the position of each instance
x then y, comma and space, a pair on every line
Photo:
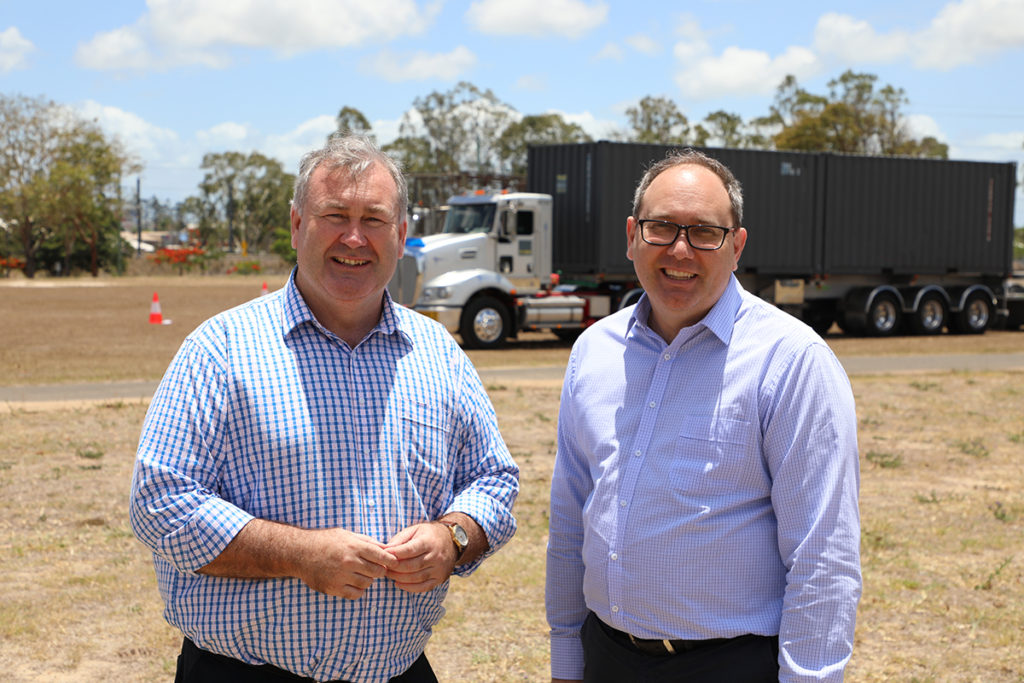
610, 658
199, 666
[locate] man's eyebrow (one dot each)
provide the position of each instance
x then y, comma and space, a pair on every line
342, 206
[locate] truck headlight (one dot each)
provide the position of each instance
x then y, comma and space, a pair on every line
436, 293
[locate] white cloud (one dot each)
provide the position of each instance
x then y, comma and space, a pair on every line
139, 137
851, 40
966, 31
182, 32
693, 43
744, 72
536, 18
610, 51
226, 134
922, 125
599, 129
289, 147
644, 44
422, 66
14, 50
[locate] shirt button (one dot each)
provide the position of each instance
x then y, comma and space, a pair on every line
615, 556
652, 404
637, 453
371, 502
667, 356
615, 608
622, 503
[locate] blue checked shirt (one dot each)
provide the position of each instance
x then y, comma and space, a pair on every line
264, 413
707, 488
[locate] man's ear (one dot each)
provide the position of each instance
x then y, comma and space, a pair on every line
630, 234
295, 219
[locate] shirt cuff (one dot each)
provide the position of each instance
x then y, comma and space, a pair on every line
567, 658
212, 527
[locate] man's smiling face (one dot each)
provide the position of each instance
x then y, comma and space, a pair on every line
348, 240
681, 282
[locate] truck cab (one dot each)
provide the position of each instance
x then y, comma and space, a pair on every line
476, 275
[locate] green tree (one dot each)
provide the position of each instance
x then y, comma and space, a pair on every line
246, 196
460, 127
59, 179
535, 129
853, 118
414, 153
657, 120
351, 120
727, 130
86, 197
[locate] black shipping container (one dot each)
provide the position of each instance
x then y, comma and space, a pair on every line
918, 216
806, 214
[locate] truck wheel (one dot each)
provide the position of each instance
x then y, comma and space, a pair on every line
930, 316
485, 324
883, 316
975, 316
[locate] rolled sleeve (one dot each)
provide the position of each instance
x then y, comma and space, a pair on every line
487, 478
174, 509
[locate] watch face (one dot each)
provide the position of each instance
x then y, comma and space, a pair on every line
461, 537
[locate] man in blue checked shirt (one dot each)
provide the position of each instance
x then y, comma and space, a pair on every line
317, 462
704, 520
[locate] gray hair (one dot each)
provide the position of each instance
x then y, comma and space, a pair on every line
690, 156
355, 153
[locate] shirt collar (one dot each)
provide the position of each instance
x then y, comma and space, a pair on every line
297, 312
719, 320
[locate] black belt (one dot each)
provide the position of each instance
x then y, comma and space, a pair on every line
654, 646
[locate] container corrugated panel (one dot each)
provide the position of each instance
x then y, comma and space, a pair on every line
593, 185
917, 216
781, 213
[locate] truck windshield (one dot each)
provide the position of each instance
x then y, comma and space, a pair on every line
463, 218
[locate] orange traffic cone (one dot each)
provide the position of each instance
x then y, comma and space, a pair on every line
265, 292
155, 316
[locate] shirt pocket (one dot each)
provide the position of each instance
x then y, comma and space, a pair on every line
423, 451
716, 455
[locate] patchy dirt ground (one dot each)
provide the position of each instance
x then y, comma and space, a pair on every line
942, 458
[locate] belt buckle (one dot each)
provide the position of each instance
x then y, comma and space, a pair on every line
667, 644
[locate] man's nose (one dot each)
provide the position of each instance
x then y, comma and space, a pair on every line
681, 248
352, 234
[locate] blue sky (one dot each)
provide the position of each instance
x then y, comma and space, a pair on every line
178, 78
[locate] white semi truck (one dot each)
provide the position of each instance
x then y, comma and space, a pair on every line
877, 245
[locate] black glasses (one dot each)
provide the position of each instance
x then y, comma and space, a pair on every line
664, 233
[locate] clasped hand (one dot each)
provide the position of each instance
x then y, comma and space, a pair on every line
417, 559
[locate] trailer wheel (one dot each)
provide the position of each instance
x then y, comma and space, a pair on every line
485, 324
930, 316
883, 316
975, 316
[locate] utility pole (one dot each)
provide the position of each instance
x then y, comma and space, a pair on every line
231, 216
138, 213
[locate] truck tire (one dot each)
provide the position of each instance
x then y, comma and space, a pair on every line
485, 324
930, 316
883, 319
975, 316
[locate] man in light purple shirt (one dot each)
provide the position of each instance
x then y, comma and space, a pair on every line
704, 519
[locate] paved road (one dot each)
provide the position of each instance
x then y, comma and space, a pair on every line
855, 365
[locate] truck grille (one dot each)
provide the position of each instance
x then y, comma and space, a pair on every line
405, 286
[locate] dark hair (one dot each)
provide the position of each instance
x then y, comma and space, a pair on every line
690, 156
357, 153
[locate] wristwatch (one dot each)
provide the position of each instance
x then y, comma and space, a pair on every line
459, 537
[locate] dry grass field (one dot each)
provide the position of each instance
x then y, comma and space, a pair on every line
942, 458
